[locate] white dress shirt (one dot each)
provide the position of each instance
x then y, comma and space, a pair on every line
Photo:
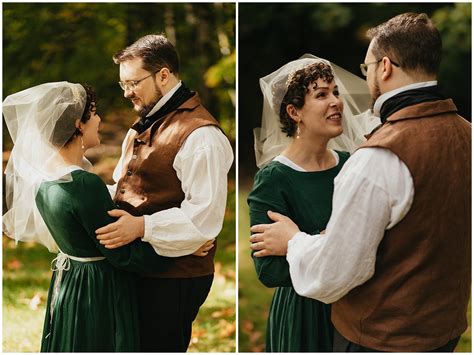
202, 164
372, 193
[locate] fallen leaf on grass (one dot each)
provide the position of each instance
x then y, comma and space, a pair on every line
247, 326
14, 264
230, 274
258, 348
226, 328
257, 345
227, 312
35, 302
217, 267
198, 332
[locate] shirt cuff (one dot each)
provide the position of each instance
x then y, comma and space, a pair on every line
147, 234
296, 236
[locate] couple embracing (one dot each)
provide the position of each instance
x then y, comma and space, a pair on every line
368, 252
135, 259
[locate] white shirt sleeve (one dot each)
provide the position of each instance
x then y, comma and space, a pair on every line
201, 165
118, 168
372, 193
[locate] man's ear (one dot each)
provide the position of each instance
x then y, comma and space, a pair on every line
387, 68
164, 76
293, 112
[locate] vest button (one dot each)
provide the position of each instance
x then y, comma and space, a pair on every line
122, 191
129, 172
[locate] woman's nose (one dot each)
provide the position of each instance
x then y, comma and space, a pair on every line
335, 101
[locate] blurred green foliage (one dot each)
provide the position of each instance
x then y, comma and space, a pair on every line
44, 42
272, 34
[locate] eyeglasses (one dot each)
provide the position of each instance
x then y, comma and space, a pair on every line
132, 84
364, 66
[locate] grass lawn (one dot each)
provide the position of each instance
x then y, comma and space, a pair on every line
254, 298
26, 277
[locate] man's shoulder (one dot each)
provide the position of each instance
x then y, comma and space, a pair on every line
206, 134
369, 160
207, 137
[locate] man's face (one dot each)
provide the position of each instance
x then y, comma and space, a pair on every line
372, 80
145, 94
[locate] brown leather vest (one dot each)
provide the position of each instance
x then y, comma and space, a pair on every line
149, 183
418, 296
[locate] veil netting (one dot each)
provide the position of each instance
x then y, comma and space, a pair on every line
40, 121
357, 120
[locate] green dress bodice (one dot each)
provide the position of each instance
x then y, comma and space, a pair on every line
295, 323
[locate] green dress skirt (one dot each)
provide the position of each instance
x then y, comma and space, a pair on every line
295, 323
92, 305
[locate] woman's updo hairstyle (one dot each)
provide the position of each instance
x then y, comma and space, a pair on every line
67, 120
298, 85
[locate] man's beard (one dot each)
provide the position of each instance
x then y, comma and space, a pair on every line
376, 93
144, 110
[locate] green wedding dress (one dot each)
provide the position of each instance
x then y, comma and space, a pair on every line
295, 323
93, 307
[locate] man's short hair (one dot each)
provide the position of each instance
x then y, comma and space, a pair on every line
156, 51
409, 39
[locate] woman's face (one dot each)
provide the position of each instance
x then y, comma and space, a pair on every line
321, 114
90, 130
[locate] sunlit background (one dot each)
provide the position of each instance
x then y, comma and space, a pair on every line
271, 35
75, 42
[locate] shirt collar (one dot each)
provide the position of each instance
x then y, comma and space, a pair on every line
164, 99
382, 98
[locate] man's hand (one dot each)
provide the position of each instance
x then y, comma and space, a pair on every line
123, 231
272, 239
204, 249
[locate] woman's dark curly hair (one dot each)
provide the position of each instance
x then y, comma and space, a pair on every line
298, 86
91, 105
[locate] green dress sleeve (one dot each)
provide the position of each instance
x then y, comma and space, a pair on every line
268, 194
92, 207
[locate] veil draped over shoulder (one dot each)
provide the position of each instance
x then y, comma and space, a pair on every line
40, 121
357, 120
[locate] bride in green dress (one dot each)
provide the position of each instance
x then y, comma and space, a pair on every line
303, 120
54, 200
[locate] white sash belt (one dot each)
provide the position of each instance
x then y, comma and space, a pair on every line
62, 263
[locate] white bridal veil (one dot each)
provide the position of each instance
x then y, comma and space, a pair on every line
36, 118
358, 120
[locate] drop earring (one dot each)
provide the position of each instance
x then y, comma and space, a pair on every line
82, 143
298, 130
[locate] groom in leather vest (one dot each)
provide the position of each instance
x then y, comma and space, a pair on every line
395, 261
171, 190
